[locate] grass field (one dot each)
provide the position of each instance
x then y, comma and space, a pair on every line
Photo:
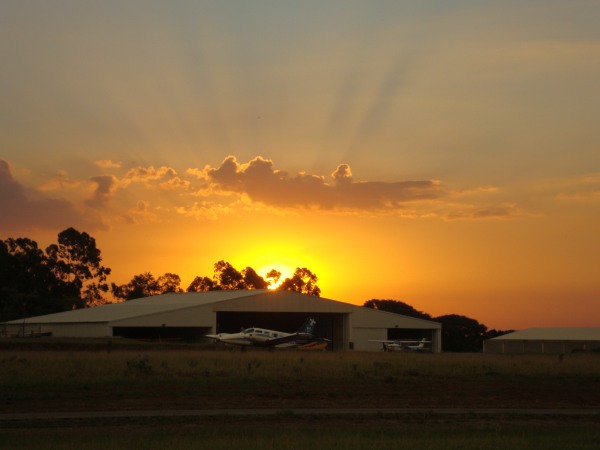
281, 434
121, 378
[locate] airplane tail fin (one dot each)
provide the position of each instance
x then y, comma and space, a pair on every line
308, 327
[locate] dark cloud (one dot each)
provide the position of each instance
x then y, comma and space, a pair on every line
105, 187
23, 209
261, 182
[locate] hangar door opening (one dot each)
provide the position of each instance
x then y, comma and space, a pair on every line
185, 334
412, 334
329, 325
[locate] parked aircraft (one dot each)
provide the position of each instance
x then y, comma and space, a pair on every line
260, 337
396, 345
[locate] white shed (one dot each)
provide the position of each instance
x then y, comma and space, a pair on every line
545, 340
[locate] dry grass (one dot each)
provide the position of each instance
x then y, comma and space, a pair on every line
193, 378
172, 377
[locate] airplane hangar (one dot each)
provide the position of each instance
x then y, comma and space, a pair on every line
546, 340
191, 316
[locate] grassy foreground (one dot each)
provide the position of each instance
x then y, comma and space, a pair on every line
149, 378
288, 434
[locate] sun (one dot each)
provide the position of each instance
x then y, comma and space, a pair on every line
284, 270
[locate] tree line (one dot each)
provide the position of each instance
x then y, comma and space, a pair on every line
225, 278
70, 275
459, 333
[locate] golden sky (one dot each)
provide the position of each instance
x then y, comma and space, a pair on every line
445, 154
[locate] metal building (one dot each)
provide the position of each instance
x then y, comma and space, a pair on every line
193, 315
545, 340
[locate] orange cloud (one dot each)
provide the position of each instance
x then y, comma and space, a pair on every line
203, 210
144, 174
164, 177
262, 183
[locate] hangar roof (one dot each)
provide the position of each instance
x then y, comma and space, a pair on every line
140, 307
262, 300
554, 334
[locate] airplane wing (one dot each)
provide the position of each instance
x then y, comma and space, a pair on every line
213, 336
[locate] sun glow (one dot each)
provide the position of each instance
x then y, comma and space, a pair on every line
285, 271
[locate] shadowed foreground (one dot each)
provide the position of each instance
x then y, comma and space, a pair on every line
267, 388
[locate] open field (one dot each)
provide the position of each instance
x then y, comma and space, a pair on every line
125, 378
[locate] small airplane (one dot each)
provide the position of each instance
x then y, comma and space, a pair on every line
260, 337
404, 345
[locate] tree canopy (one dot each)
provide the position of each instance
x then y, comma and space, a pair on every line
145, 285
302, 281
225, 278
76, 259
397, 307
68, 275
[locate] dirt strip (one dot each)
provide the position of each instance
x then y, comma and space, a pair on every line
300, 412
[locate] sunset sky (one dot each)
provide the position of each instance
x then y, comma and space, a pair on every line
441, 153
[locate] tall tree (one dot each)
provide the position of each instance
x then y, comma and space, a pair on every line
302, 281
169, 282
76, 259
461, 333
28, 286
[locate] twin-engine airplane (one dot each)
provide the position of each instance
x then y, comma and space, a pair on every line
404, 345
260, 337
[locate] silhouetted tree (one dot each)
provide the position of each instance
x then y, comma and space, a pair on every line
227, 278
201, 284
303, 281
252, 280
273, 277
396, 307
28, 285
495, 333
145, 285
142, 285
461, 333
169, 282
76, 259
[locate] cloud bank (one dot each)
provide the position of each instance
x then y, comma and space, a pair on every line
148, 194
261, 182
26, 209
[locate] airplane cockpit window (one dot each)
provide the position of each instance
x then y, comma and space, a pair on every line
249, 330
